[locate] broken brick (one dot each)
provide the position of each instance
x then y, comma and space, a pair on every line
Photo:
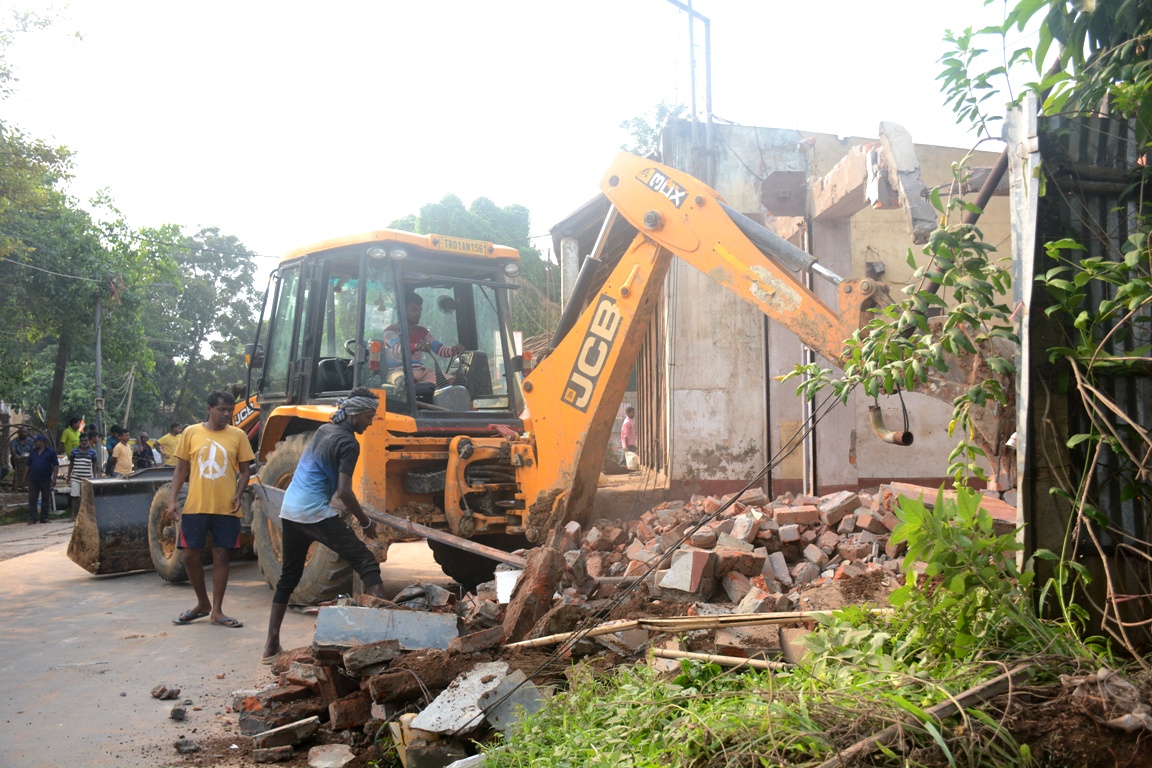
828, 541
745, 527
815, 555
870, 523
287, 735
749, 563
802, 515
835, 507
736, 585
691, 571
789, 533
848, 571
779, 565
352, 711
358, 657
804, 572
853, 549
571, 537
477, 641
533, 595
705, 538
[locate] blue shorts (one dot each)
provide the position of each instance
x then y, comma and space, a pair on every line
194, 530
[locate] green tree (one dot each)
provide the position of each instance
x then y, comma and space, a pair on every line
199, 330
535, 306
646, 130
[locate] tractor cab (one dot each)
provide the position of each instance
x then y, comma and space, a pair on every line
424, 318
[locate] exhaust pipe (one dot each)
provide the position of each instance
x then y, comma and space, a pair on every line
896, 438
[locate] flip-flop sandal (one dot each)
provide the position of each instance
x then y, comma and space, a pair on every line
270, 660
229, 622
189, 616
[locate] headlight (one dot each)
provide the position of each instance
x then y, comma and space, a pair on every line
511, 269
376, 252
397, 254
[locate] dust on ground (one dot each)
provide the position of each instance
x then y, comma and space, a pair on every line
871, 588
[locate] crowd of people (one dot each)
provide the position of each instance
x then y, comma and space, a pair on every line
36, 464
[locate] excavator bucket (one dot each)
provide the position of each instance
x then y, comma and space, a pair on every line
111, 533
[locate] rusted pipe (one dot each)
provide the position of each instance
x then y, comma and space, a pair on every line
876, 416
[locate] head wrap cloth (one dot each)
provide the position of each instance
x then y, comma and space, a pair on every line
350, 406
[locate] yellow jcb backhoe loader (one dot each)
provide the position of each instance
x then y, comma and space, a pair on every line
471, 444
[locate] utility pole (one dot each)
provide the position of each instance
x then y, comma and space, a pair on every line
99, 400
131, 383
707, 170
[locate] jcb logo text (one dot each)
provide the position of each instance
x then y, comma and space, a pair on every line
593, 354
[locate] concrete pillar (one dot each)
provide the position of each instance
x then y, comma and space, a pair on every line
569, 267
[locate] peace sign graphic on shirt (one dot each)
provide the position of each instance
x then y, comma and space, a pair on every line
213, 461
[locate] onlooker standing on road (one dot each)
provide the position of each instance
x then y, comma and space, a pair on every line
628, 431
70, 437
628, 439
122, 455
19, 447
96, 443
167, 444
215, 459
43, 466
83, 464
306, 514
142, 452
112, 438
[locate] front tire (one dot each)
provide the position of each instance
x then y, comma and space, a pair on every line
162, 536
326, 574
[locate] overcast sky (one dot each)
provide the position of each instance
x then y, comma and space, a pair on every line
286, 122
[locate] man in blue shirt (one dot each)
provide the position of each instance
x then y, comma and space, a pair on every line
306, 514
43, 467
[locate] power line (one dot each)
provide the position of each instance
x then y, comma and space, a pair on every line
50, 272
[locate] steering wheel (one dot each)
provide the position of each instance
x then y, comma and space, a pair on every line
354, 350
456, 368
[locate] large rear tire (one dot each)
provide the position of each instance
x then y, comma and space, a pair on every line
326, 574
470, 570
162, 536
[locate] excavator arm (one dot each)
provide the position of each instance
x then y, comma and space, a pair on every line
572, 392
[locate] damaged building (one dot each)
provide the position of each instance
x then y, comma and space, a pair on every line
711, 408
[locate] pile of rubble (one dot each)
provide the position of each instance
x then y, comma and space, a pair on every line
435, 672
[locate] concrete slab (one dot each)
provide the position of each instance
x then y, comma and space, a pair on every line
457, 709
514, 697
347, 625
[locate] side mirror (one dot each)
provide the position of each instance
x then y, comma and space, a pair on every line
254, 355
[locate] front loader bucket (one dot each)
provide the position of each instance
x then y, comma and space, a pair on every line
111, 533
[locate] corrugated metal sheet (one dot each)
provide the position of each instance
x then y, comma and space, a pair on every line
1088, 198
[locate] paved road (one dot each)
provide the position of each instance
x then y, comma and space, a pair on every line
20, 538
80, 654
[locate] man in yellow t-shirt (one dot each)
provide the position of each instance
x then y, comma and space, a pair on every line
167, 444
215, 459
122, 453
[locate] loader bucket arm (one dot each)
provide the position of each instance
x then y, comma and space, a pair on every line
574, 393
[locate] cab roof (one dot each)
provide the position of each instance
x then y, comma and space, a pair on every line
432, 243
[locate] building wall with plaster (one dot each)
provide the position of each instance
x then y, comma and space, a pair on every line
728, 416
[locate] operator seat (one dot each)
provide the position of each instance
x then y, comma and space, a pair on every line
333, 375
